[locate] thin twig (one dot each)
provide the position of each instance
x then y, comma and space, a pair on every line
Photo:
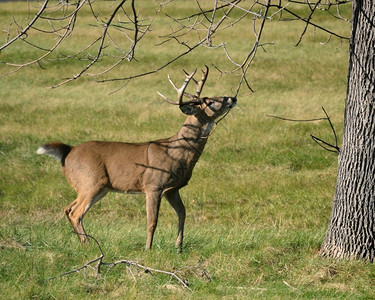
308, 22
324, 144
296, 120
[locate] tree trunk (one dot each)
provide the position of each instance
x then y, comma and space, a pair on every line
351, 230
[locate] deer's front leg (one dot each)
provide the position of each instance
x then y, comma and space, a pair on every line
152, 209
175, 201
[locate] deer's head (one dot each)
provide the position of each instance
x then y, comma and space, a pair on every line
207, 108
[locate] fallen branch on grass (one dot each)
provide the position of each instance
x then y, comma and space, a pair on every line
129, 263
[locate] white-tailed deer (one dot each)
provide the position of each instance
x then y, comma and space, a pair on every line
157, 168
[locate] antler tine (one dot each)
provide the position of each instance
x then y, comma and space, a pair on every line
167, 99
181, 90
187, 74
196, 82
200, 84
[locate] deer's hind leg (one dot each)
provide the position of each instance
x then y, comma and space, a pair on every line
76, 210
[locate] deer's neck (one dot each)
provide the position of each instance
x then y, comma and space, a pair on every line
196, 129
192, 137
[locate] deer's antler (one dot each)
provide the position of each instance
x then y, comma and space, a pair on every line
181, 91
200, 84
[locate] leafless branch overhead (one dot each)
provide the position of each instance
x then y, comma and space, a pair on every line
116, 28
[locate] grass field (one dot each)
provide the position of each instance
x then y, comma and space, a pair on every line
257, 205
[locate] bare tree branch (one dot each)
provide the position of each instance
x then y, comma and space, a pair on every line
327, 146
308, 22
106, 26
68, 29
24, 31
190, 49
298, 17
118, 40
204, 12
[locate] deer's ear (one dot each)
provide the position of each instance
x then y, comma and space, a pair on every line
188, 109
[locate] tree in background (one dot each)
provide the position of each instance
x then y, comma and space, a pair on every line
118, 31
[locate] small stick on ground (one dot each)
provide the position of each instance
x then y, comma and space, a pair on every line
128, 263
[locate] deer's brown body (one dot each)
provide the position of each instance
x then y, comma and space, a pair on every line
156, 169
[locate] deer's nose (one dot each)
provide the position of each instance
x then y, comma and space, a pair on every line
232, 102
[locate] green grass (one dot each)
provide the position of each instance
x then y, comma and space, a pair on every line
257, 205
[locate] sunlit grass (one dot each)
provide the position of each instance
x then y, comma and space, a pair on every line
257, 205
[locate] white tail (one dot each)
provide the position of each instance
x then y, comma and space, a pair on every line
56, 150
157, 168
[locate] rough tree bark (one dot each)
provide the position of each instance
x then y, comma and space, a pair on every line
351, 230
